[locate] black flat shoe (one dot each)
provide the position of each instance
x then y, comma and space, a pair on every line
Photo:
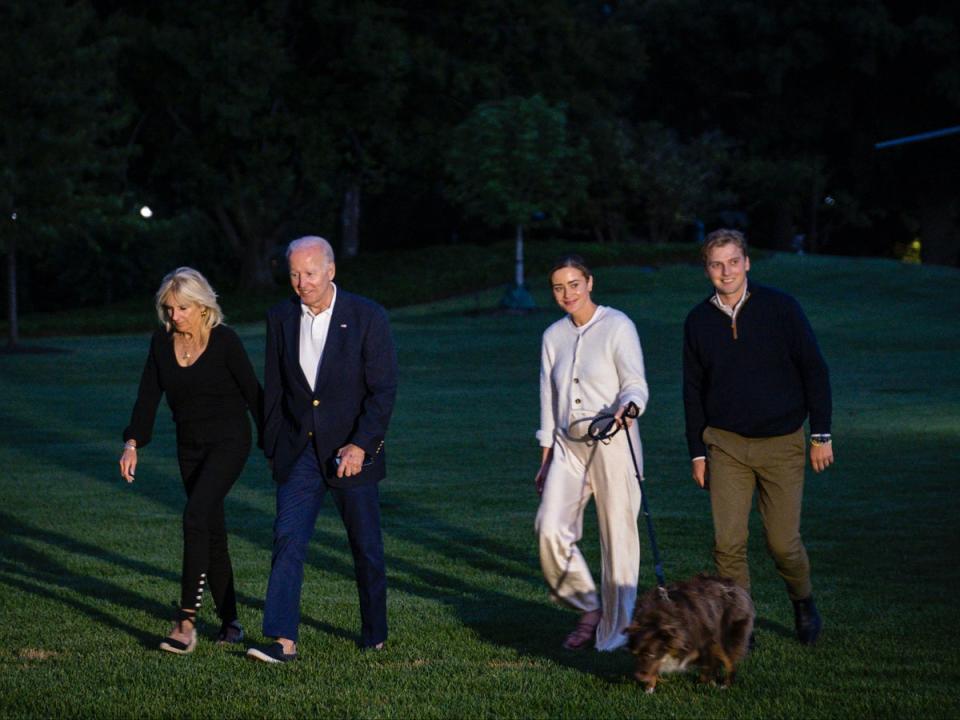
272, 653
230, 633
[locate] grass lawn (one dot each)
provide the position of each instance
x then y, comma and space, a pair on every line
89, 567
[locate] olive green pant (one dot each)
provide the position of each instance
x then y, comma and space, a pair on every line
773, 467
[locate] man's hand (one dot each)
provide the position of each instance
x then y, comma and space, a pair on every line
351, 460
821, 456
698, 468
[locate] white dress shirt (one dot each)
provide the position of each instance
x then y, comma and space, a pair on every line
313, 338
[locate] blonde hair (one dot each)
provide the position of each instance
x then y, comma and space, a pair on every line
190, 286
720, 237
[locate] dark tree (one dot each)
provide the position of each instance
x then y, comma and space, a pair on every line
795, 84
512, 161
62, 159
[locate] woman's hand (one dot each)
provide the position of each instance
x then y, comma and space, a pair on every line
620, 420
541, 479
128, 463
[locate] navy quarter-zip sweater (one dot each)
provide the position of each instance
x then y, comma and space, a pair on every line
760, 375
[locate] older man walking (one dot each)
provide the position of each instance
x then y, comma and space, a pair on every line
330, 382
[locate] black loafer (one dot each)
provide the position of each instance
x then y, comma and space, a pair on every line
230, 633
272, 653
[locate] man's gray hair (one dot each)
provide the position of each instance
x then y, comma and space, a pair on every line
311, 241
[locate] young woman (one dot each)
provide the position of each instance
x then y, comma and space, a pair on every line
210, 385
591, 364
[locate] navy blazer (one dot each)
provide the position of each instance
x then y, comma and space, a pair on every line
354, 393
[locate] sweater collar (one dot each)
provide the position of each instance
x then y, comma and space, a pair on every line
726, 309
580, 329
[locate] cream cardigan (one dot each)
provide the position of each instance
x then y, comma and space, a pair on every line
587, 370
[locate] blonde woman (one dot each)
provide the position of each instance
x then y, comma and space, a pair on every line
202, 367
591, 364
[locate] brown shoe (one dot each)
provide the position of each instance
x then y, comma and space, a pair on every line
583, 634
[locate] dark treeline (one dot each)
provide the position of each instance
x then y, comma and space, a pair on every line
384, 125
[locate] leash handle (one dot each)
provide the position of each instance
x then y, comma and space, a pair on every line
605, 426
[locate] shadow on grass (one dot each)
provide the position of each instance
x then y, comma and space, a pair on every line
8, 579
774, 628
41, 575
530, 628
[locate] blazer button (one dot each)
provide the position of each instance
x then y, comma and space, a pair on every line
316, 402
577, 401
310, 433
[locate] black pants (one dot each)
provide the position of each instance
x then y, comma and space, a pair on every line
209, 470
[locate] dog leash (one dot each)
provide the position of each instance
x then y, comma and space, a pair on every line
605, 427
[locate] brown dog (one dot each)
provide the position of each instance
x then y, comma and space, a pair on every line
704, 622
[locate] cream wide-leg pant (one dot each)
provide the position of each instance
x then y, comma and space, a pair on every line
578, 470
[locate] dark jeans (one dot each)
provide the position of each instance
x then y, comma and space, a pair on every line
298, 503
209, 470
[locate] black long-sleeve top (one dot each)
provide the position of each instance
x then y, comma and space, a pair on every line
209, 399
757, 376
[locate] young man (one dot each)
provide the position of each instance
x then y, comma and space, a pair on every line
752, 374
